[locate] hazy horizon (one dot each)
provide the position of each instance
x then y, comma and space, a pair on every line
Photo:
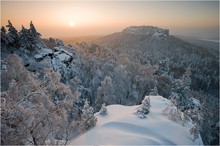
80, 18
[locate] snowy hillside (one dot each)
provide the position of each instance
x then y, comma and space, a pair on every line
44, 80
122, 127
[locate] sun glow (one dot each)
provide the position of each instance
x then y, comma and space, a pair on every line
80, 18
72, 24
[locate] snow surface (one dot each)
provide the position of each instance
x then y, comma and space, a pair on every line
122, 127
38, 56
63, 57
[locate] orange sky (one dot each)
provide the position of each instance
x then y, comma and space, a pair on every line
98, 18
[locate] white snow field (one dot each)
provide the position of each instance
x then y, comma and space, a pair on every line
122, 127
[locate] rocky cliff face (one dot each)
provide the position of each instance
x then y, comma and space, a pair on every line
154, 32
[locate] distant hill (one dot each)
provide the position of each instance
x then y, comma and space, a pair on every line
152, 44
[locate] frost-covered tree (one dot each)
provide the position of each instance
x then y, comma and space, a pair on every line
133, 97
12, 34
88, 120
196, 117
144, 109
29, 113
182, 91
186, 78
164, 67
59, 43
175, 114
105, 93
25, 38
194, 131
33, 30
4, 38
30, 38
173, 98
121, 79
103, 111
172, 111
210, 121
182, 88
154, 91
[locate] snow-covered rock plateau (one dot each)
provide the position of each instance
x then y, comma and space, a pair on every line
154, 32
122, 127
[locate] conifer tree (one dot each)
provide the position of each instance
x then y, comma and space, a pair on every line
182, 88
4, 37
25, 38
186, 78
34, 31
12, 34
87, 119
103, 110
29, 38
105, 93
154, 91
144, 109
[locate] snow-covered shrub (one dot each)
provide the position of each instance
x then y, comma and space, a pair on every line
88, 120
176, 114
154, 91
173, 98
184, 117
196, 117
173, 113
144, 109
194, 131
103, 111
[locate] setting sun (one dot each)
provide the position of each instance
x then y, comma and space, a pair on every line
72, 24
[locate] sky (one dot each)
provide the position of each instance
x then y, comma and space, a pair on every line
86, 18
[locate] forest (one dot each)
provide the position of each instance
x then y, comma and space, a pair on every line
45, 80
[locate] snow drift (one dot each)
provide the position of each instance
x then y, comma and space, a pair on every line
122, 127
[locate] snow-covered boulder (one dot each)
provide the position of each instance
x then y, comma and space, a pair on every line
38, 56
47, 51
42, 53
56, 63
63, 57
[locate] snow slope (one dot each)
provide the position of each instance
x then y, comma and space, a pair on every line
122, 127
